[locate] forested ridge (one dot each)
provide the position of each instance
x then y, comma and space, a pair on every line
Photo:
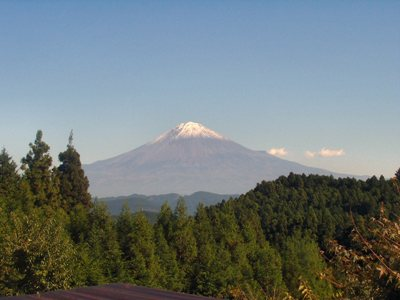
297, 237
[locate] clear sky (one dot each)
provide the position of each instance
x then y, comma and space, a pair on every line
316, 76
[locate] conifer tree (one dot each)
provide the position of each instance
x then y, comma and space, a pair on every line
301, 258
124, 230
183, 240
143, 265
183, 237
204, 271
79, 223
170, 275
8, 173
165, 222
42, 186
104, 258
73, 182
9, 180
267, 269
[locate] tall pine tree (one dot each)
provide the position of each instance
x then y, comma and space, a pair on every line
42, 185
171, 276
73, 182
143, 264
183, 240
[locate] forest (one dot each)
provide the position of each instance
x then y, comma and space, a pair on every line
297, 237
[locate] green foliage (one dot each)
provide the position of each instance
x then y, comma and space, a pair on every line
302, 259
143, 264
182, 236
42, 186
267, 270
10, 182
266, 244
102, 242
371, 267
9, 178
36, 254
79, 223
204, 267
125, 227
170, 276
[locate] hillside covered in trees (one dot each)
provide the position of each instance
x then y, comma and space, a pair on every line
296, 237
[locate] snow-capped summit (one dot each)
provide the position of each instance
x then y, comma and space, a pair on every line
189, 130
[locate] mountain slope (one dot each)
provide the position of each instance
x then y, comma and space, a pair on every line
187, 159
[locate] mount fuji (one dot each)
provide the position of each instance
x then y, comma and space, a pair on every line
187, 159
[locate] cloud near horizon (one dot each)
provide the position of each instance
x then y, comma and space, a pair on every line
310, 154
278, 151
325, 152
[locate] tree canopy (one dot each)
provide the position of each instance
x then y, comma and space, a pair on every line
297, 236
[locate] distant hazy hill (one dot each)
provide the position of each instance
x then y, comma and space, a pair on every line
187, 159
153, 203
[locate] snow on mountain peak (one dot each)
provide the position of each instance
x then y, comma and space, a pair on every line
189, 130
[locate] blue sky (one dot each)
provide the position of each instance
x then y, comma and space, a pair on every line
303, 76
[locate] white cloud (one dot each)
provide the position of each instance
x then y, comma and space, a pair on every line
325, 152
278, 151
331, 152
310, 154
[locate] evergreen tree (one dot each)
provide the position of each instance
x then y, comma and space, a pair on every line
125, 227
267, 270
73, 182
143, 264
170, 275
183, 238
105, 254
10, 181
165, 222
42, 186
204, 271
301, 259
397, 180
79, 223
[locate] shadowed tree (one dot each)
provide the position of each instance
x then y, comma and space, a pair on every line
8, 174
165, 221
74, 184
10, 181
